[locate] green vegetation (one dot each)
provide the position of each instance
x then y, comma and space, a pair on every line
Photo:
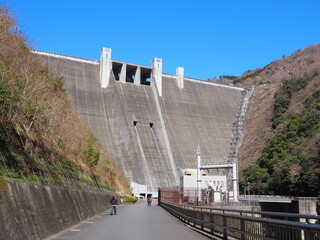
92, 155
228, 77
39, 171
42, 140
262, 83
3, 187
289, 164
130, 199
284, 96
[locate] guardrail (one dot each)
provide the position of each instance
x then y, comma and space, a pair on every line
249, 225
266, 197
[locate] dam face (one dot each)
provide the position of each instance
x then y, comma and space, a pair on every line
150, 122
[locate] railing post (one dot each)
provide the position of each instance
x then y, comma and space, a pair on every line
242, 228
225, 235
308, 235
159, 196
202, 219
269, 232
212, 220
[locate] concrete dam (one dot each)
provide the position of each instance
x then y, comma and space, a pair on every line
152, 122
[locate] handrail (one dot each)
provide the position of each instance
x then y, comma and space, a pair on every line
265, 197
262, 213
56, 55
229, 223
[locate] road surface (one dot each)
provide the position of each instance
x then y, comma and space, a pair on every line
132, 222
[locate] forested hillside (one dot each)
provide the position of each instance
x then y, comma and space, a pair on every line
41, 138
281, 150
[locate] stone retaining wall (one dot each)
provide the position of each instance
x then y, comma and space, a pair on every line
30, 211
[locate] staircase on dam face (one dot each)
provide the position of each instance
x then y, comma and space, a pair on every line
239, 124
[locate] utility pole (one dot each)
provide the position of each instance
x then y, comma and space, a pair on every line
235, 182
198, 174
249, 191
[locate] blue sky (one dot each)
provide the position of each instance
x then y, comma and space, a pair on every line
208, 38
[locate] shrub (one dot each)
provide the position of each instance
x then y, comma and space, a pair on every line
281, 105
132, 199
308, 100
92, 155
316, 94
228, 77
283, 98
294, 85
285, 167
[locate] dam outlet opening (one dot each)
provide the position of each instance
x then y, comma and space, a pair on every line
128, 73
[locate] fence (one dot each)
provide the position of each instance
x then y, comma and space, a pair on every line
266, 197
168, 195
191, 196
246, 225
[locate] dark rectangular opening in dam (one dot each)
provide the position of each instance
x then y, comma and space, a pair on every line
116, 69
145, 76
130, 73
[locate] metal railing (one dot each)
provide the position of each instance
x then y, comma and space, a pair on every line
266, 197
246, 225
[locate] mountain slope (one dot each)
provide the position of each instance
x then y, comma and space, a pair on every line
282, 137
42, 139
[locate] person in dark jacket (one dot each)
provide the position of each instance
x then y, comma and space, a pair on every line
113, 203
149, 199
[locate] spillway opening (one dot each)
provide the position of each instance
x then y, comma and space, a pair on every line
134, 123
130, 73
151, 125
145, 76
116, 69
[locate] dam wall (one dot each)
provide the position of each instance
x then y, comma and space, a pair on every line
137, 134
200, 113
81, 81
151, 127
29, 211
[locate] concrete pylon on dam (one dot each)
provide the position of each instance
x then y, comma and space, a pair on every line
150, 122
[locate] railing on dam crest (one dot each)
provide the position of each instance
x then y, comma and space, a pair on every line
241, 224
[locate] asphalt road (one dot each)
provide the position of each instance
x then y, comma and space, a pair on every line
136, 221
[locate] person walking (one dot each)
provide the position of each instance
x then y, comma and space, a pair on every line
149, 200
113, 203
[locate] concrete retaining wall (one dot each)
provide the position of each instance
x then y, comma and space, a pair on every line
35, 211
309, 206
